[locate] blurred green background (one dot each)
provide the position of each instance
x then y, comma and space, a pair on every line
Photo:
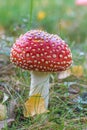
62, 17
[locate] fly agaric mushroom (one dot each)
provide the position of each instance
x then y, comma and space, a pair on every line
41, 53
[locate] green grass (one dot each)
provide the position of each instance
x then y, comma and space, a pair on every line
62, 113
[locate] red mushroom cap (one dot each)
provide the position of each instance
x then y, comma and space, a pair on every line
40, 51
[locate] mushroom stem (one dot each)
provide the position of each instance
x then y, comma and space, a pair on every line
40, 85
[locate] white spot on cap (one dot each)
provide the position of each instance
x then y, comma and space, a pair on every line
35, 65
45, 53
44, 67
29, 37
24, 61
38, 49
25, 64
38, 55
35, 37
58, 63
26, 67
41, 67
35, 61
42, 49
38, 62
69, 62
54, 55
35, 44
47, 47
33, 50
63, 52
36, 69
41, 54
20, 54
67, 65
58, 47
24, 52
41, 44
60, 55
69, 56
46, 62
33, 56
55, 66
67, 49
42, 60
27, 55
32, 43
48, 56
14, 46
29, 61
62, 46
64, 62
51, 65
27, 47
51, 52
31, 66
53, 44
43, 70
65, 57
46, 40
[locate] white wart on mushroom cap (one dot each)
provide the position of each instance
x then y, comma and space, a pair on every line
40, 51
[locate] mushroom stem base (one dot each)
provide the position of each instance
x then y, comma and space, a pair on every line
40, 85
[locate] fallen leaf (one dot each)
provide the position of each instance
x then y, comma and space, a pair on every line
77, 70
3, 112
34, 105
7, 122
64, 74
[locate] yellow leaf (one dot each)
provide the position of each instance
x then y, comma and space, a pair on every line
34, 105
3, 112
77, 70
41, 15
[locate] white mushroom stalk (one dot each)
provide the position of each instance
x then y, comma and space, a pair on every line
40, 85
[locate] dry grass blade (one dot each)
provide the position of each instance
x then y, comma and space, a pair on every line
76, 120
6, 70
